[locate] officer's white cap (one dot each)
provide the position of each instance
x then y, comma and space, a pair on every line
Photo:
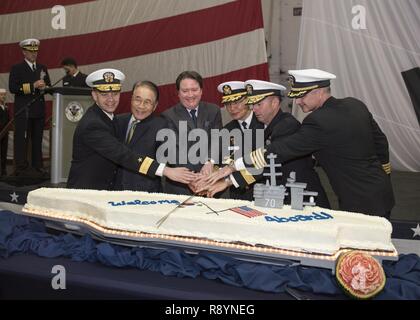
303, 81
232, 91
106, 80
258, 90
30, 44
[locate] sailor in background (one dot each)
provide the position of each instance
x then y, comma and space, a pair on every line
27, 80
265, 99
97, 152
74, 77
4, 119
345, 139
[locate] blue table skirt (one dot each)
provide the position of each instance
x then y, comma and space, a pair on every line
21, 234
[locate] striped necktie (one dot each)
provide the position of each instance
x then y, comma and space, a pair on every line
131, 132
193, 116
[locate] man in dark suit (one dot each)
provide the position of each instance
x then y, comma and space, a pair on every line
189, 114
346, 141
265, 100
97, 152
4, 119
74, 77
27, 80
138, 131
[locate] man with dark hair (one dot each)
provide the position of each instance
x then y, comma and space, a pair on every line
27, 80
192, 113
138, 131
97, 152
74, 77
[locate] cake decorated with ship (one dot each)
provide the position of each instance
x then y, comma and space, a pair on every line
222, 221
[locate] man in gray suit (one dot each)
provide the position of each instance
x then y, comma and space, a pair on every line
191, 113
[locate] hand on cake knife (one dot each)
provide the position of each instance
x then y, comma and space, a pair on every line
166, 216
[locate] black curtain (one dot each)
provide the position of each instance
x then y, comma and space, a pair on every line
412, 82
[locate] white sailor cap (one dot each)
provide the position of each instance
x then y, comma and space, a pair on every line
232, 91
29, 44
106, 80
2, 90
258, 90
303, 81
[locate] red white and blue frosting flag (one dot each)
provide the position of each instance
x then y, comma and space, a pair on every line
149, 39
248, 212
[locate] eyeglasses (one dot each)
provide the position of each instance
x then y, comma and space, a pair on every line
147, 103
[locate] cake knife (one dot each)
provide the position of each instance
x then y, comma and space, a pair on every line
166, 216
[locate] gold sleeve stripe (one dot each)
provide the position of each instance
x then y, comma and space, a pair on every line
247, 176
260, 157
145, 165
26, 88
257, 158
387, 168
254, 162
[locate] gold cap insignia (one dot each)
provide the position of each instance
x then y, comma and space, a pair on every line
109, 77
292, 80
249, 89
227, 89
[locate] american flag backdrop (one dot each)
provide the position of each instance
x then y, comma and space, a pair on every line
146, 39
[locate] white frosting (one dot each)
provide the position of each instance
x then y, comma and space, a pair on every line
340, 230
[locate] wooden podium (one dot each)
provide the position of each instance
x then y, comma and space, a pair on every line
69, 105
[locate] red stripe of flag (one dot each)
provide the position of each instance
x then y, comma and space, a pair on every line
145, 38
248, 212
15, 6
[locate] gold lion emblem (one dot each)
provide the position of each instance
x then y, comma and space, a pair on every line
109, 77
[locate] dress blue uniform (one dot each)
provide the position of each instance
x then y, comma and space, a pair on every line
347, 143
29, 124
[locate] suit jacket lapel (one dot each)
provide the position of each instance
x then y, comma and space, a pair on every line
202, 116
140, 130
123, 122
184, 115
255, 124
